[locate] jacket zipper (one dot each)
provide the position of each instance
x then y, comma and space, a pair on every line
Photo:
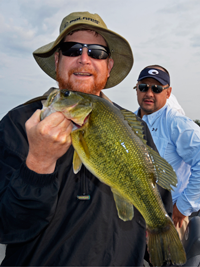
84, 190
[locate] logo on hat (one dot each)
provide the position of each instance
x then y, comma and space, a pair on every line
153, 72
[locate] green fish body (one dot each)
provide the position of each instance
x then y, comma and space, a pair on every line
110, 143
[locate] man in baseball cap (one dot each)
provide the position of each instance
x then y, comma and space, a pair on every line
177, 139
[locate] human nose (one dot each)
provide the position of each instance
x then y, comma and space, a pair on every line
149, 92
84, 58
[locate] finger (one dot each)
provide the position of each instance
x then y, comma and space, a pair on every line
33, 120
65, 139
65, 125
61, 137
63, 128
174, 220
54, 119
180, 223
53, 124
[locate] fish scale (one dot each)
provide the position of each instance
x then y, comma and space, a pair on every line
113, 157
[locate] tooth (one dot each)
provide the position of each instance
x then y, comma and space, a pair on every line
83, 74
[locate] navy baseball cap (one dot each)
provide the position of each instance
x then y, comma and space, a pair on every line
157, 74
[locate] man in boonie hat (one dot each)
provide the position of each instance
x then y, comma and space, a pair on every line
50, 216
177, 139
118, 49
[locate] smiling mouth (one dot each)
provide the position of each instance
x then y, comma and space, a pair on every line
82, 74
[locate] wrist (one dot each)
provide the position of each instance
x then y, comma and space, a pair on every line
40, 166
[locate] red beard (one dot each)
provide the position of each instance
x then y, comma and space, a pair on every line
82, 86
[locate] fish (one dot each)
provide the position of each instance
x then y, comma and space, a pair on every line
110, 143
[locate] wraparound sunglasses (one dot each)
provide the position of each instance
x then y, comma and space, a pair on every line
143, 87
74, 49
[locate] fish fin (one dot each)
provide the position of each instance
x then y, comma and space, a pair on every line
83, 143
165, 176
134, 123
77, 163
124, 208
165, 245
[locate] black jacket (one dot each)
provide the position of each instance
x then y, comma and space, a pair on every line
43, 219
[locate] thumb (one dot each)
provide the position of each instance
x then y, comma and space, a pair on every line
33, 120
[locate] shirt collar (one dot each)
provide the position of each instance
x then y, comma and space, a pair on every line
151, 118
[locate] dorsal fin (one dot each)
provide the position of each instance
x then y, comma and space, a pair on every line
135, 124
165, 175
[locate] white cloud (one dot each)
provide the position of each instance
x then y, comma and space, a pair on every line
164, 32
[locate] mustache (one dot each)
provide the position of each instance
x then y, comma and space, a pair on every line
83, 69
148, 98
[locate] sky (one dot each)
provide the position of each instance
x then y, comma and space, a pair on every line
163, 32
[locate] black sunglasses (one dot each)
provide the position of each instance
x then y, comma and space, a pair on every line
73, 49
143, 87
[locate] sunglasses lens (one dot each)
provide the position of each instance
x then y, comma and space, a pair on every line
143, 87
157, 89
97, 51
72, 49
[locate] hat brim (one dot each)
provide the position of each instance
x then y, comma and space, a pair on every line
120, 50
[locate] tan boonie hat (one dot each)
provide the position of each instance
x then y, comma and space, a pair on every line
119, 47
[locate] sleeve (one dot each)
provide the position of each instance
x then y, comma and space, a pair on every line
185, 135
27, 199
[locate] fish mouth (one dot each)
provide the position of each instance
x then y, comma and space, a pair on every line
78, 126
46, 112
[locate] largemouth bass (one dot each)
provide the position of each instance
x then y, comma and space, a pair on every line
110, 143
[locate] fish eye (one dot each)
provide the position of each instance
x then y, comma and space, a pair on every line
66, 93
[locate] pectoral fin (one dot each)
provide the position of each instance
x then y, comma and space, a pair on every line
124, 208
84, 144
77, 163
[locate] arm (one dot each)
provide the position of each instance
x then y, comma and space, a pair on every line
28, 195
185, 135
27, 204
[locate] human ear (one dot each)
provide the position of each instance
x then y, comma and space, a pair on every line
110, 65
169, 90
56, 57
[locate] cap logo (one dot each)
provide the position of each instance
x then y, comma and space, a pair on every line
153, 72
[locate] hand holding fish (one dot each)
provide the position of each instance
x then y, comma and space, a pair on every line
48, 140
177, 217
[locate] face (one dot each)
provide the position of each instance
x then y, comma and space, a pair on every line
83, 73
149, 101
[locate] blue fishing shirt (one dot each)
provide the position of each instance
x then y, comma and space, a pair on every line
177, 139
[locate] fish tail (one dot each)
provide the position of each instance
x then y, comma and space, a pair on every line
165, 245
